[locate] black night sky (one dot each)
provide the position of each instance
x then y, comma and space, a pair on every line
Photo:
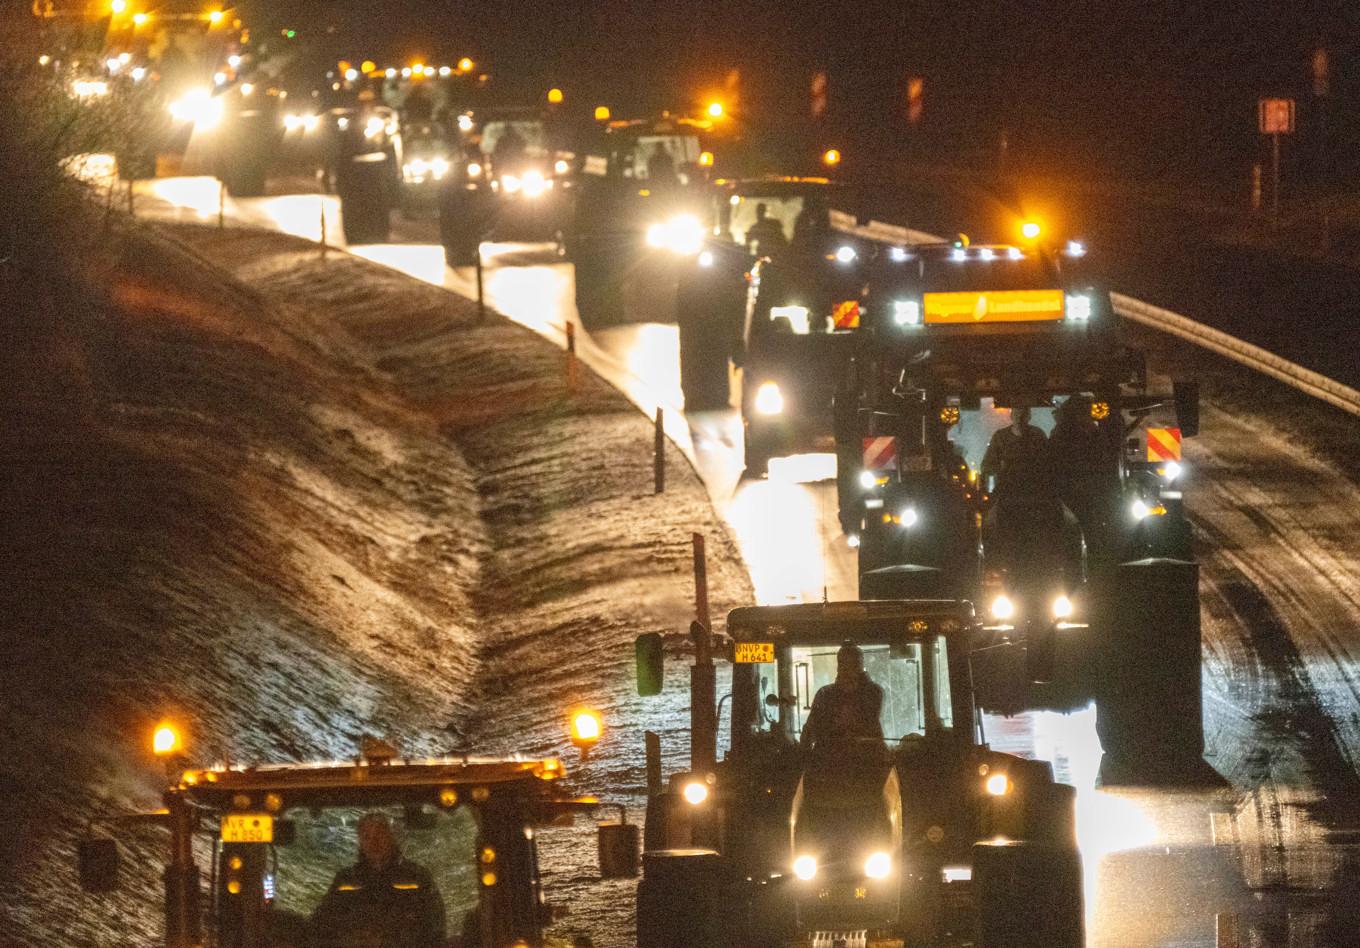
1141, 89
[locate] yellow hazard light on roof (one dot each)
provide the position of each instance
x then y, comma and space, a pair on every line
118, 6
586, 728
831, 156
466, 65
715, 110
139, 19
165, 740
368, 66
215, 17
705, 159
555, 96
602, 113
1030, 230
1100, 410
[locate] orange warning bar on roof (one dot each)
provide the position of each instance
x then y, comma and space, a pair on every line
994, 306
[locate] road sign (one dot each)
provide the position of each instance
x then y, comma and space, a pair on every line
1276, 116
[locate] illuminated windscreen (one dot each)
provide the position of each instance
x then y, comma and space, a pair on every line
312, 894
782, 212
679, 150
531, 132
897, 669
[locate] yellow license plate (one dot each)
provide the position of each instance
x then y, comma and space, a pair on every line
247, 828
752, 653
998, 306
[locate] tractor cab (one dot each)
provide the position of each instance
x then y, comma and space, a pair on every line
378, 852
857, 795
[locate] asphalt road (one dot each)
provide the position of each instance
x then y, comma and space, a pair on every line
1272, 859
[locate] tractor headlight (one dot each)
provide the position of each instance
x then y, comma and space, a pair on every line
805, 867
1062, 608
682, 234
1002, 607
439, 167
769, 399
1078, 307
868, 480
998, 785
695, 792
473, 169
510, 183
845, 254
706, 258
907, 313
878, 866
1170, 471
534, 184
908, 517
374, 127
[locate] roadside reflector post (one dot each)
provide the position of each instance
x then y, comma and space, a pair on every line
659, 451
221, 205
700, 579
323, 228
571, 356
481, 287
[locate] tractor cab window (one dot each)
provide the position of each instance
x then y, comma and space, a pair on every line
763, 231
654, 157
898, 669
526, 136
320, 889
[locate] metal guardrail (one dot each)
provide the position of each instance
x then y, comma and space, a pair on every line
1163, 320
1243, 353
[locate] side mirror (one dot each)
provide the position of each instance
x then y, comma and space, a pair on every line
1186, 397
98, 865
618, 843
650, 664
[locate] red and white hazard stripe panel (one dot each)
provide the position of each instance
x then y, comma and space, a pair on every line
880, 454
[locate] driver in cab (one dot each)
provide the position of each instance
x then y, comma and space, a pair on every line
845, 716
382, 901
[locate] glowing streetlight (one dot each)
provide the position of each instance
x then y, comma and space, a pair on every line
465, 65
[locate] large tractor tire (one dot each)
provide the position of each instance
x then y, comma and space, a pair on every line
599, 298
461, 226
1027, 895
245, 173
1149, 704
679, 901
365, 207
704, 378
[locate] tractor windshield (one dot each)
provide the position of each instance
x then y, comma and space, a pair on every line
347, 876
914, 676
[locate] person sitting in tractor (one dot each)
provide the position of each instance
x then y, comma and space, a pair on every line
383, 899
661, 167
510, 151
1085, 469
845, 714
1017, 457
766, 235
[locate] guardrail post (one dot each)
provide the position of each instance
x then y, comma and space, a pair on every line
481, 288
221, 205
323, 228
571, 357
659, 451
700, 578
